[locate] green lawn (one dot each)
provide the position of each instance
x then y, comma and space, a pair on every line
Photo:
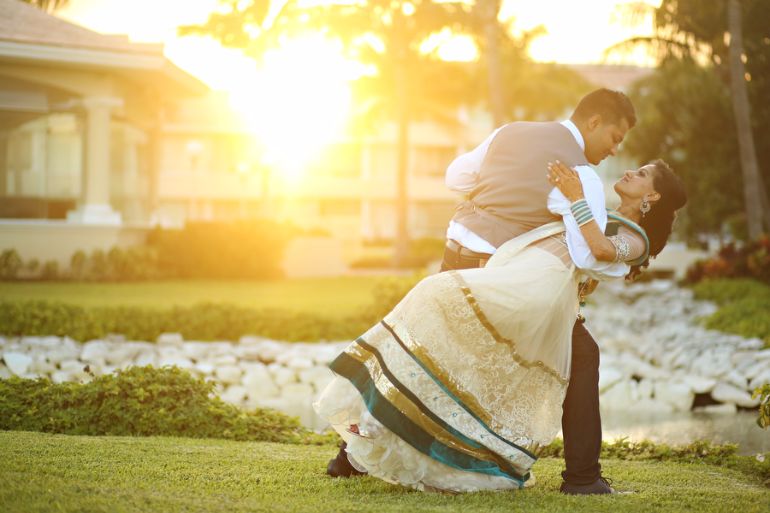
44, 473
323, 296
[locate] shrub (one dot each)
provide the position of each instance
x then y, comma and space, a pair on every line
205, 321
750, 260
10, 264
140, 401
242, 249
744, 306
50, 270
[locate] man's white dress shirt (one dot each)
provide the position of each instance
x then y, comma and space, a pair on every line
462, 176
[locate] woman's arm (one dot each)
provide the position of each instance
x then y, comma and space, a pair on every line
568, 182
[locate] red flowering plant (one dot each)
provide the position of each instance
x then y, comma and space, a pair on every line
749, 260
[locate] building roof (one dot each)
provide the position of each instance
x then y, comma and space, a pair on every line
28, 34
23, 23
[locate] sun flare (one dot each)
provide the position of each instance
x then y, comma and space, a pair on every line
296, 102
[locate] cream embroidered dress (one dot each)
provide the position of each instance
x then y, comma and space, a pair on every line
457, 387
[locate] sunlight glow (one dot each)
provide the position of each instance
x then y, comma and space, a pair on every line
297, 102
451, 47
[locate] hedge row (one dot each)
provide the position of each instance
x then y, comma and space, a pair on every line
248, 249
140, 401
205, 321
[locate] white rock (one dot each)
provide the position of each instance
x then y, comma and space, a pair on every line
678, 394
195, 350
17, 363
297, 390
699, 384
326, 354
251, 353
260, 385
170, 339
4, 372
146, 358
726, 393
220, 348
283, 376
756, 369
235, 394
71, 366
59, 354
62, 377
736, 378
225, 359
759, 380
620, 396
607, 378
645, 389
95, 351
120, 353
315, 373
177, 360
40, 366
228, 374
299, 406
204, 368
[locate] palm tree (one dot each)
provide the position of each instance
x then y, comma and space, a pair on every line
408, 84
684, 29
752, 188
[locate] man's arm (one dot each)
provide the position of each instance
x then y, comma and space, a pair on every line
462, 175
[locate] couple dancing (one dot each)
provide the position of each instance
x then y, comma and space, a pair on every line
481, 364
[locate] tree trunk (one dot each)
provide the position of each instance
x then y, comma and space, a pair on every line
742, 112
489, 10
402, 121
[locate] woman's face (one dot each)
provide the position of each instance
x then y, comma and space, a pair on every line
637, 185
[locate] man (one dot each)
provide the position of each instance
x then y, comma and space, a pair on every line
505, 180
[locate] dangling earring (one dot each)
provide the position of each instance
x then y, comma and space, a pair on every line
645, 207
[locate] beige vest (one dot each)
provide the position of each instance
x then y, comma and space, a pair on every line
511, 195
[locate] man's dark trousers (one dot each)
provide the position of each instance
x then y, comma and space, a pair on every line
581, 421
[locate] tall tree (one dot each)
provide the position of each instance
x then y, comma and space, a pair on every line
492, 32
689, 30
387, 35
752, 190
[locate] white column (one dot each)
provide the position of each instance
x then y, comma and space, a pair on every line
95, 205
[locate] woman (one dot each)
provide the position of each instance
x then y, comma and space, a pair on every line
464, 379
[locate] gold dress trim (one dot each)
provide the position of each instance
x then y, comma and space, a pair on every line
498, 337
394, 396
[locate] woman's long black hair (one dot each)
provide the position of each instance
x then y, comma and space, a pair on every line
659, 221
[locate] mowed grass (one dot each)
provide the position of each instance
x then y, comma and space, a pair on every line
44, 473
332, 297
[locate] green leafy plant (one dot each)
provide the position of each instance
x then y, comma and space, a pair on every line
10, 264
763, 393
140, 401
743, 306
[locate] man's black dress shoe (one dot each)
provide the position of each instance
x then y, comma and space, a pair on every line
600, 486
340, 466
